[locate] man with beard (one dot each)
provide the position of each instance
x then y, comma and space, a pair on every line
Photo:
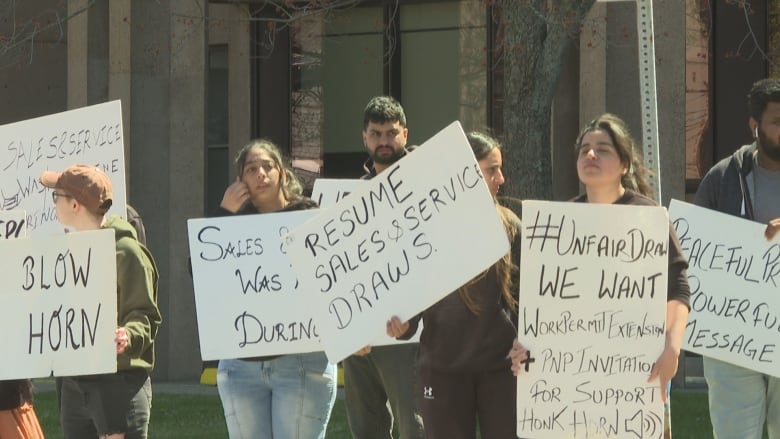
746, 185
375, 376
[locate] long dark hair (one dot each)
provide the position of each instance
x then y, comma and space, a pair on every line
625, 145
481, 144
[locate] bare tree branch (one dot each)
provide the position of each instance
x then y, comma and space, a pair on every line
18, 35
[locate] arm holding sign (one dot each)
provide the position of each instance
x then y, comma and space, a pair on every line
304, 383
403, 330
771, 229
665, 366
611, 171
466, 335
520, 357
677, 307
745, 185
138, 316
82, 195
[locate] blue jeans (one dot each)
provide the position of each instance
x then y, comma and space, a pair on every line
385, 375
288, 397
741, 400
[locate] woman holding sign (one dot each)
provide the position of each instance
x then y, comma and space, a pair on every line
610, 170
284, 396
462, 367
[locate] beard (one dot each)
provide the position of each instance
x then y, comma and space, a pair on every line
387, 159
770, 147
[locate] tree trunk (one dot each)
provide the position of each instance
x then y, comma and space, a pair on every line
536, 33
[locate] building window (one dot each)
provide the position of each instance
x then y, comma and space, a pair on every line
217, 139
340, 59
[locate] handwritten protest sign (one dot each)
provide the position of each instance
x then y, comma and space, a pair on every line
91, 135
593, 281
399, 243
734, 276
246, 295
329, 191
58, 305
13, 224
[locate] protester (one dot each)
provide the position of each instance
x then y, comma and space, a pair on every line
116, 405
376, 376
282, 396
746, 185
463, 371
17, 416
609, 168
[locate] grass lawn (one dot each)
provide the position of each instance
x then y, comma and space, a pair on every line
200, 416
178, 416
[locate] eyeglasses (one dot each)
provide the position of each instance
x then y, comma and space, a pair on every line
55, 195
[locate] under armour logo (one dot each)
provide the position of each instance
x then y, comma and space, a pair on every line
427, 392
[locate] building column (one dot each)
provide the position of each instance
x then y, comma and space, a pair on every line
166, 160
78, 36
119, 65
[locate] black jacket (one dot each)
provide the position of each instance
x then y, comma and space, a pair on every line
725, 187
14, 393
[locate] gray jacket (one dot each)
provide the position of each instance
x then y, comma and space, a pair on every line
726, 187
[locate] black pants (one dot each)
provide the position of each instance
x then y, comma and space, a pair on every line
453, 403
93, 406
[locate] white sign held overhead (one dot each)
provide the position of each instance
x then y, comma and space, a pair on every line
58, 305
593, 281
247, 297
91, 135
734, 278
396, 245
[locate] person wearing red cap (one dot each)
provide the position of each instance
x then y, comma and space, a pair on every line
117, 405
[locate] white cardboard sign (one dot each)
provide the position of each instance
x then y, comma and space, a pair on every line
58, 305
399, 243
329, 191
13, 224
734, 274
246, 294
91, 135
593, 281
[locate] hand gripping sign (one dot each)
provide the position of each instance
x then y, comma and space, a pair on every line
398, 243
58, 305
593, 281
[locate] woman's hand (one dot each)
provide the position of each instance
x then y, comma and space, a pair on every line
518, 354
236, 195
365, 350
664, 369
396, 328
772, 228
121, 339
